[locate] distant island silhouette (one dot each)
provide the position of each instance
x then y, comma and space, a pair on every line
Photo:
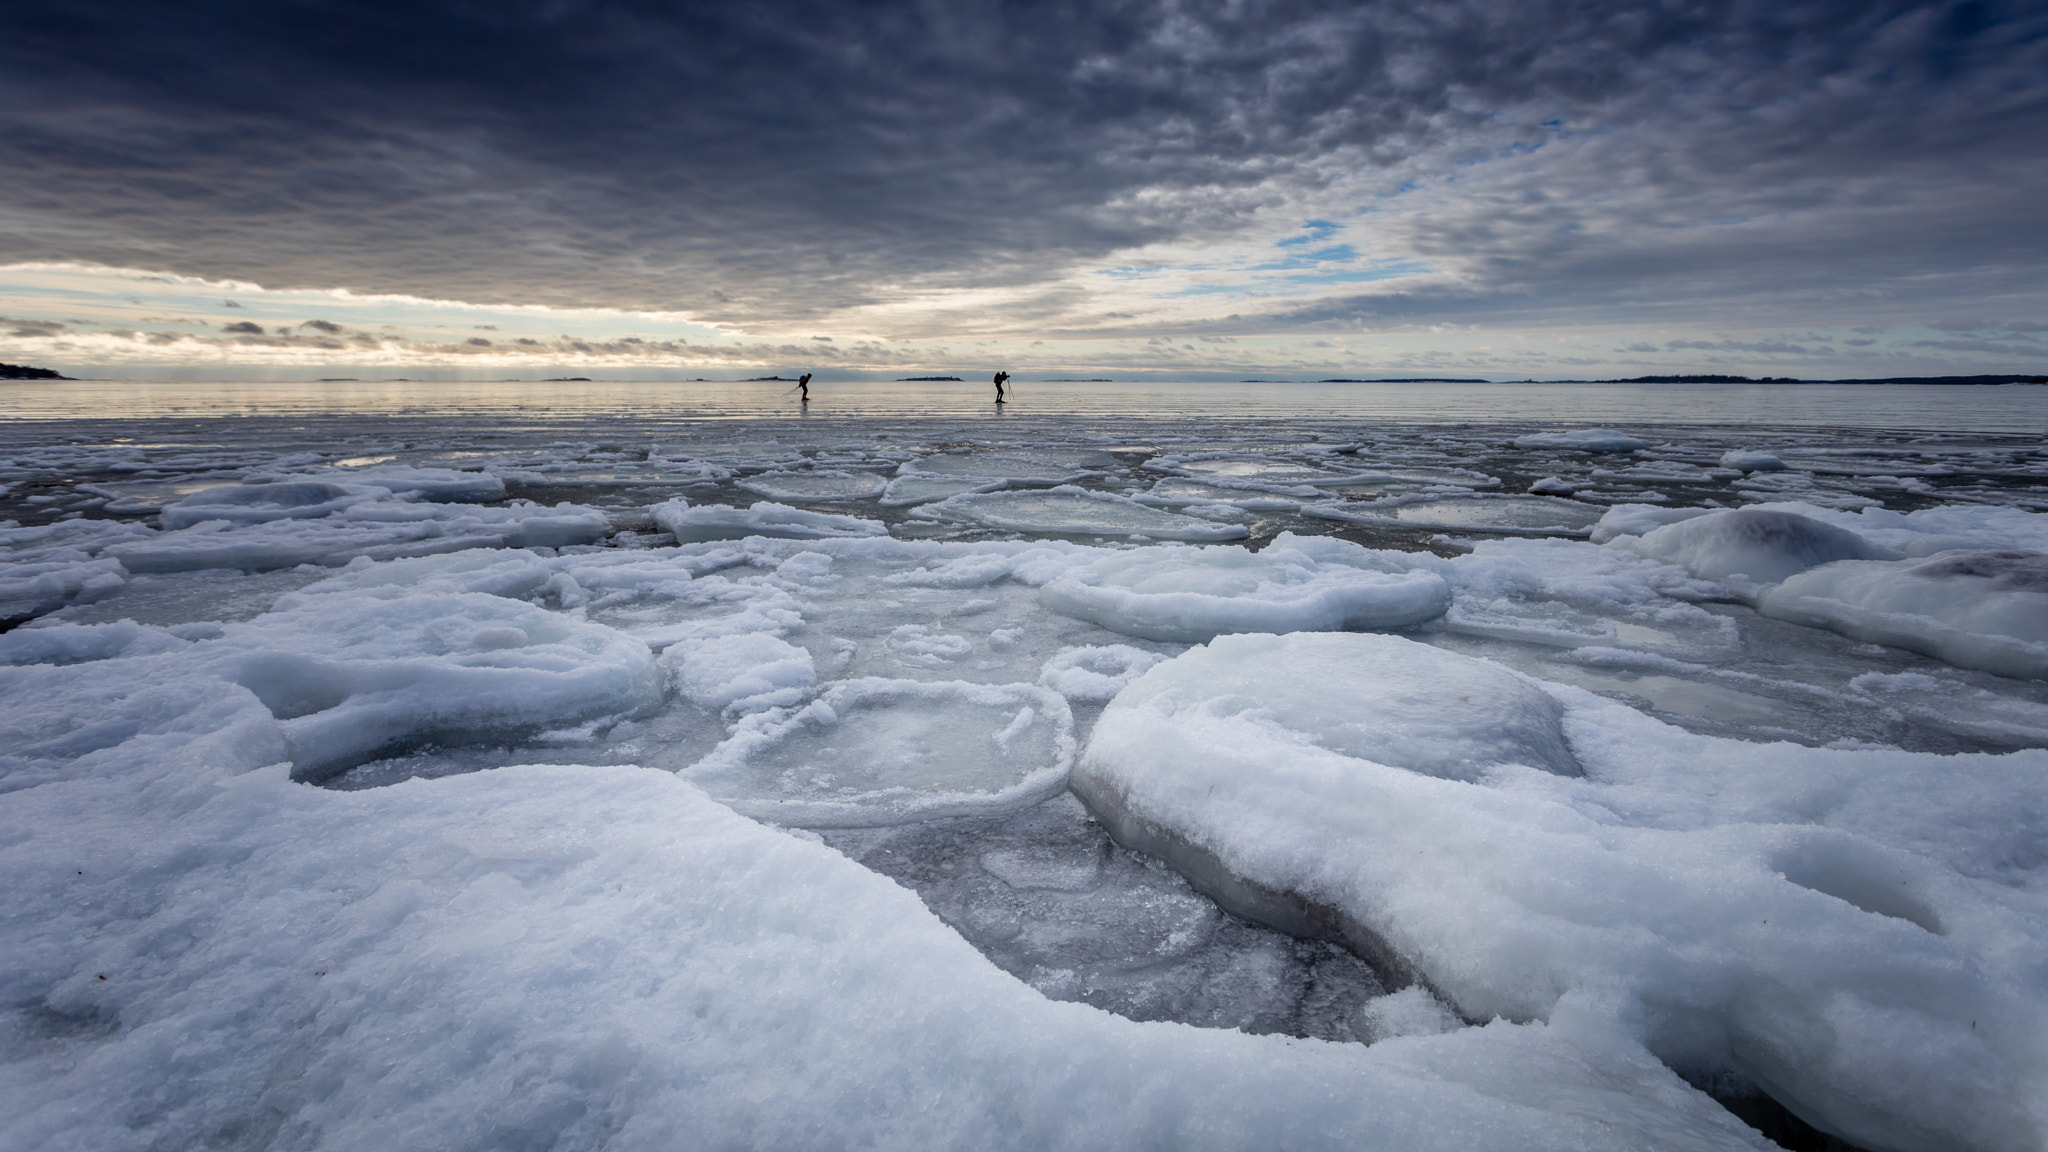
566, 380
24, 372
911, 379
767, 379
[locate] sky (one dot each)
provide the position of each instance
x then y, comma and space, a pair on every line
1201, 190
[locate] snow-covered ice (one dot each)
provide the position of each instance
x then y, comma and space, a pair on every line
474, 787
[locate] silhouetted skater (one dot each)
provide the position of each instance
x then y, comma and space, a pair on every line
1001, 378
803, 385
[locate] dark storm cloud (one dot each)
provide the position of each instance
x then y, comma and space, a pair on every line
777, 160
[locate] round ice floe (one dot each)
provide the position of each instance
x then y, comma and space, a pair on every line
1192, 594
1763, 546
1751, 461
443, 485
1180, 492
1265, 470
816, 486
1583, 440
724, 522
873, 752
1076, 512
918, 488
1512, 515
1975, 608
1097, 672
1017, 467
750, 670
257, 503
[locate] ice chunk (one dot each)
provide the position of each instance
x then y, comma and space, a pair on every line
38, 587
1760, 545
1179, 492
1223, 467
1582, 440
1095, 672
1552, 486
1410, 1012
79, 643
1380, 698
257, 503
1974, 608
1074, 511
1192, 594
749, 670
1750, 461
1515, 515
378, 530
724, 522
1805, 919
873, 751
442, 485
1639, 520
918, 488
1018, 468
822, 485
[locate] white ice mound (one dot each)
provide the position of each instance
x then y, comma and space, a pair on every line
1583, 440
1381, 698
1975, 608
1750, 461
259, 503
821, 485
1074, 511
724, 522
1510, 515
1094, 673
1809, 920
751, 670
874, 752
1192, 594
1763, 546
350, 676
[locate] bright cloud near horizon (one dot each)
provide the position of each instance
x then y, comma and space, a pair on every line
1202, 190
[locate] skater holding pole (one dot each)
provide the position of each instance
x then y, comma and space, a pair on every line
1001, 379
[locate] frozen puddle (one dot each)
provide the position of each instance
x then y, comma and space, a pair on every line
1052, 900
875, 751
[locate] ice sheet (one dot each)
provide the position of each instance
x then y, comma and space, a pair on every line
1071, 511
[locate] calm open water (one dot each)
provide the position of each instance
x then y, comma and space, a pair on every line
2010, 409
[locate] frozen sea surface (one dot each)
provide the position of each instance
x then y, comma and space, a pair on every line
483, 781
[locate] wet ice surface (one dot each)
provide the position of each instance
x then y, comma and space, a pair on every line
899, 635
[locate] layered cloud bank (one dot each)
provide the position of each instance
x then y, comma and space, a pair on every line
1739, 186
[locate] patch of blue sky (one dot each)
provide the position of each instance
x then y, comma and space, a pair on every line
1336, 254
1317, 232
1389, 271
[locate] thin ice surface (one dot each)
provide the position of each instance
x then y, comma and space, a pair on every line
433, 628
